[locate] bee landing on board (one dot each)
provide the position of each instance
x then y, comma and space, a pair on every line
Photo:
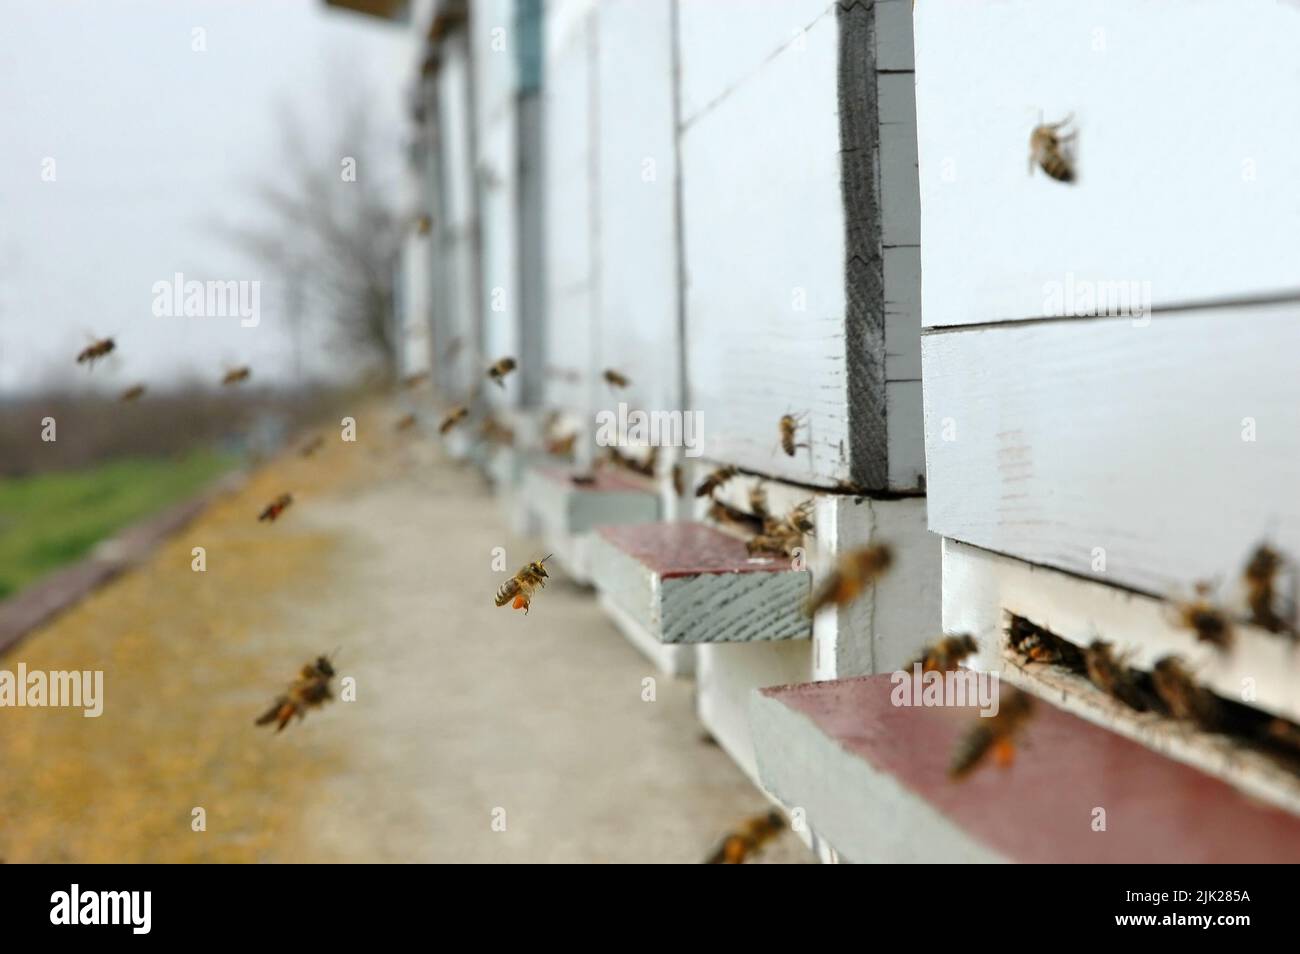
854, 572
133, 393
519, 588
236, 376
1268, 609
309, 691
497, 373
616, 380
276, 507
715, 480
789, 429
994, 734
100, 348
1050, 150
747, 840
1040, 645
945, 655
1207, 620
452, 418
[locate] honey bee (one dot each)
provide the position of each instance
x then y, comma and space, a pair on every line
424, 225
994, 734
854, 572
276, 507
758, 502
1048, 150
520, 587
236, 376
498, 371
800, 519
100, 348
1183, 698
412, 381
789, 428
782, 543
1112, 676
312, 446
495, 432
946, 654
1040, 645
1261, 590
616, 380
715, 480
583, 480
748, 839
679, 481
452, 418
405, 422
1205, 619
562, 446
727, 514
133, 393
310, 690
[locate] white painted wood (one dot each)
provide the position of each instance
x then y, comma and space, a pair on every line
1075, 437
674, 659
981, 589
1180, 132
865, 814
724, 45
727, 675
638, 304
766, 317
568, 209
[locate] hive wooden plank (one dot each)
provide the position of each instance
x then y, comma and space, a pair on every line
1154, 126
688, 583
872, 779
1120, 452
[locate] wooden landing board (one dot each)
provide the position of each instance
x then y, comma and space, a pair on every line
872, 778
688, 583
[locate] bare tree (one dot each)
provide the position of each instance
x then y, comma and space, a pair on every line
333, 232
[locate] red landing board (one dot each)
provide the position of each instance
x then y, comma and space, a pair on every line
687, 549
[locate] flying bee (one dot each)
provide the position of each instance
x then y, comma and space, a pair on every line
679, 481
994, 734
748, 839
276, 507
236, 376
616, 380
99, 348
1183, 697
312, 446
1048, 149
405, 422
452, 418
727, 514
855, 571
133, 393
424, 225
583, 480
789, 429
494, 432
562, 446
412, 381
946, 654
497, 373
1260, 576
1205, 619
715, 480
310, 690
520, 587
1112, 676
800, 519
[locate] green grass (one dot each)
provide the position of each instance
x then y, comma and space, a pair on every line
49, 520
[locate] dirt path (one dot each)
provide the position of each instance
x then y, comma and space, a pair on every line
462, 708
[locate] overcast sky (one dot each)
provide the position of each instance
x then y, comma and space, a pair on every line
152, 141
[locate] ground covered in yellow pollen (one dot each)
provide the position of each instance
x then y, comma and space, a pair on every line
476, 734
